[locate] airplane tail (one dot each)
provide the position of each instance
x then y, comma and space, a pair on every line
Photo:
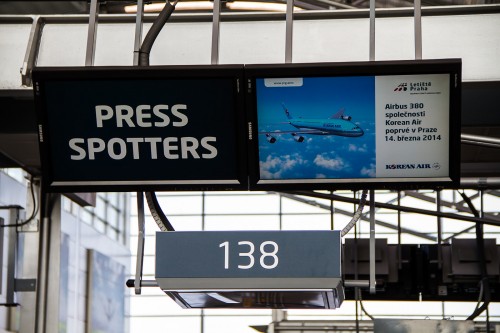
286, 111
339, 114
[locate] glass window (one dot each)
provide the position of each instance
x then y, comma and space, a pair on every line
110, 215
86, 216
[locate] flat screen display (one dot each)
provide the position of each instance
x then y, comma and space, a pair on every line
130, 128
376, 125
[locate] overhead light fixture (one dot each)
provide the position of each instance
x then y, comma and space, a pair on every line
258, 6
186, 5
208, 5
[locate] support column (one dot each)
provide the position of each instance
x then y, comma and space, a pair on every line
418, 29
289, 31
138, 30
372, 30
372, 241
215, 32
92, 32
28, 240
49, 254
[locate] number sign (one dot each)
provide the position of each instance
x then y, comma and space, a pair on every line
247, 259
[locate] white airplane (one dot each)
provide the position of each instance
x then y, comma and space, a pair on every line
338, 124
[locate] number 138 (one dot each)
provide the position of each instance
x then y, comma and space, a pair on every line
268, 249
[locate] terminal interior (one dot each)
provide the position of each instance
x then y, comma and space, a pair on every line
67, 272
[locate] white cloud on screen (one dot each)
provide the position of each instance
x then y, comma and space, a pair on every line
274, 166
329, 163
356, 148
368, 171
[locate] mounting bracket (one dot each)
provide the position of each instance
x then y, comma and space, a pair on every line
140, 242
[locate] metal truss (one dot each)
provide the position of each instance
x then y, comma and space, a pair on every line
458, 205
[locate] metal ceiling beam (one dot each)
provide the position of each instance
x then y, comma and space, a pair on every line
479, 182
261, 16
472, 197
479, 140
363, 217
448, 204
399, 208
389, 202
336, 4
495, 193
466, 230
308, 5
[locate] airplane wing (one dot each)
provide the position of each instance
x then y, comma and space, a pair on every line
296, 135
317, 132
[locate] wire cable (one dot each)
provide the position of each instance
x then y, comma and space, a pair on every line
34, 212
363, 307
357, 214
154, 31
154, 207
157, 213
480, 298
485, 283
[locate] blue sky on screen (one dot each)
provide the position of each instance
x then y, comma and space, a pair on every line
319, 156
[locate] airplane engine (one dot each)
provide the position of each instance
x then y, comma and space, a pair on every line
298, 138
348, 118
270, 138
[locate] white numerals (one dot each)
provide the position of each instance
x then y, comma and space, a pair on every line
225, 245
268, 254
248, 254
271, 254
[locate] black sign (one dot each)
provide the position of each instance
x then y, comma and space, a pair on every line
126, 129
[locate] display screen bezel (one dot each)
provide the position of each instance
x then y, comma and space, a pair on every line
52, 182
355, 69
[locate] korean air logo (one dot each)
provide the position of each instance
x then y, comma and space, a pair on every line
402, 87
411, 166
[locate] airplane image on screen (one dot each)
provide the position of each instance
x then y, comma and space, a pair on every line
338, 124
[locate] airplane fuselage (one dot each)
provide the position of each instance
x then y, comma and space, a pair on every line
339, 127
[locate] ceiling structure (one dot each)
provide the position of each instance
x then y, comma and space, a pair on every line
480, 100
118, 7
480, 116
